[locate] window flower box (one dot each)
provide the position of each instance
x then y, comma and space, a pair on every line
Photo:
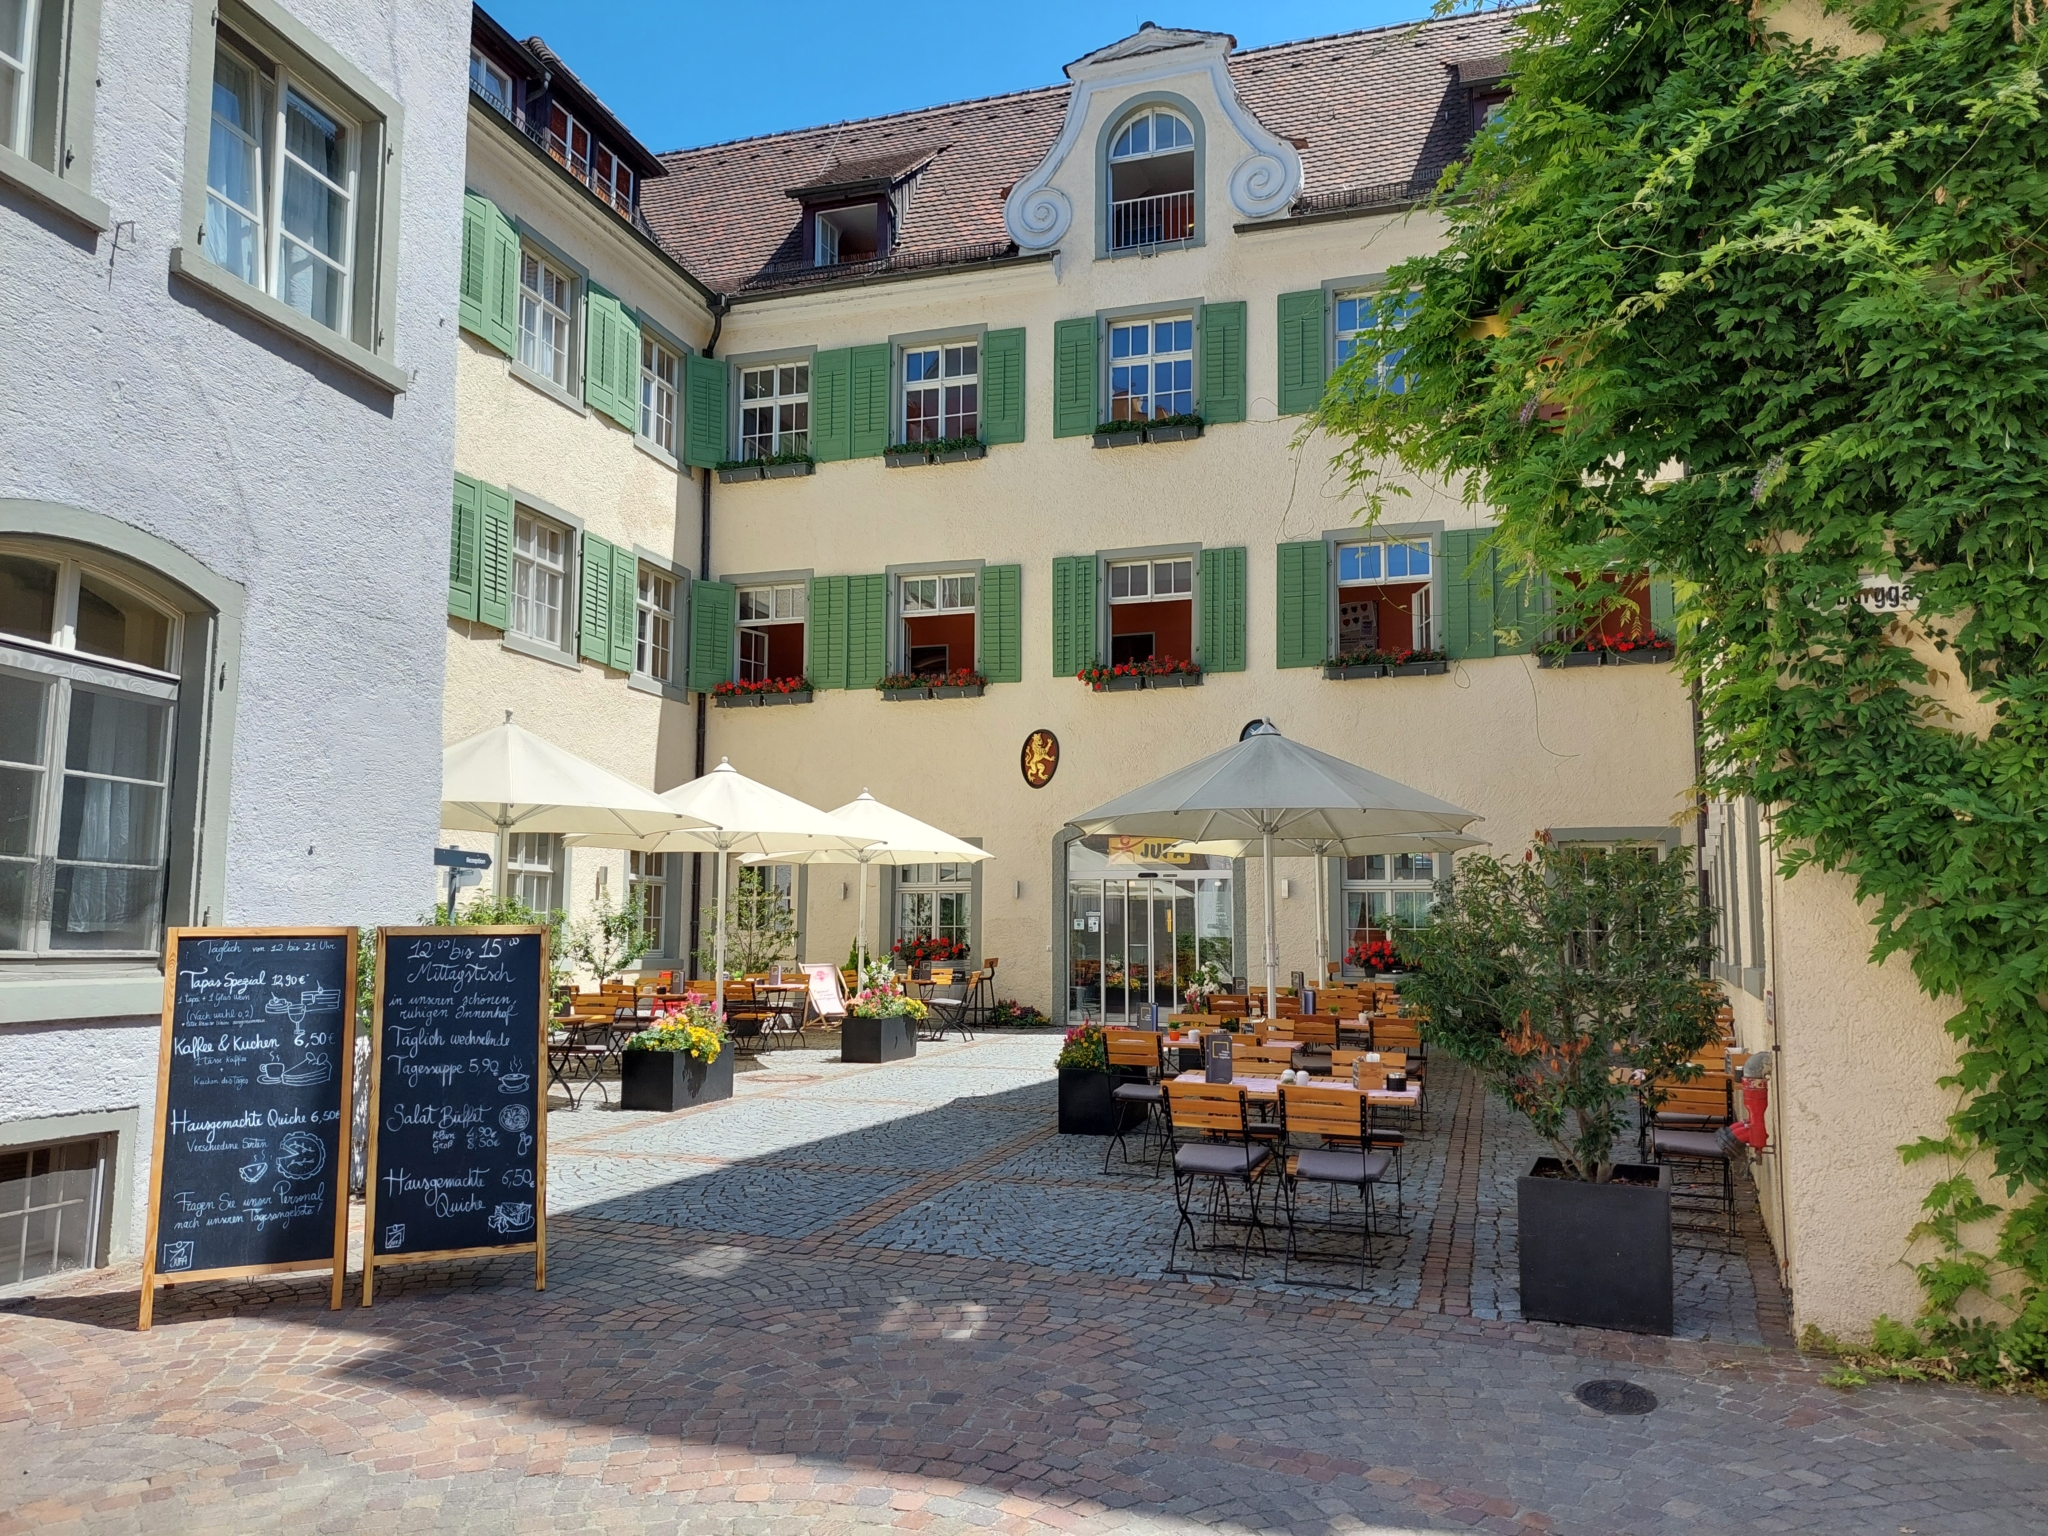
958, 451
1582, 657
733, 474
796, 696
897, 695
1131, 684
1174, 680
905, 457
958, 691
1343, 672
789, 469
1639, 653
1120, 435
1418, 664
1130, 676
1173, 429
774, 690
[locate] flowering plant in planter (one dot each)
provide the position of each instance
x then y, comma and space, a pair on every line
1166, 666
694, 1030
1097, 675
1209, 979
923, 951
1366, 658
763, 685
1010, 1012
1642, 643
959, 677
904, 682
881, 996
1086, 1047
1407, 658
1375, 955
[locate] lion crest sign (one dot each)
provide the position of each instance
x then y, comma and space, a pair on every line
1041, 758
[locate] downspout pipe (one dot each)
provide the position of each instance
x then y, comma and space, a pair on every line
720, 306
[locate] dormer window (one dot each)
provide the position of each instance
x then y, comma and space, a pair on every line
1151, 180
846, 234
490, 82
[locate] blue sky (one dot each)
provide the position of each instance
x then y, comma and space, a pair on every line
684, 74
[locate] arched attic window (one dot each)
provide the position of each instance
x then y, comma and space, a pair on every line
1151, 180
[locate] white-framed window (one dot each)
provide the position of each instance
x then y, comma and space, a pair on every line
938, 594
938, 615
546, 300
1146, 581
611, 179
1359, 312
1151, 609
281, 184
490, 82
935, 901
1151, 180
771, 626
941, 392
532, 863
88, 703
49, 1209
660, 374
540, 578
647, 878
775, 410
1384, 892
1384, 596
1151, 368
17, 72
826, 253
654, 613
568, 140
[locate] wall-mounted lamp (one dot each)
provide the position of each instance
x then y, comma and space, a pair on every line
1286, 890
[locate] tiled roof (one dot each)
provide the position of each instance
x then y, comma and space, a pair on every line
606, 121
1369, 108
890, 166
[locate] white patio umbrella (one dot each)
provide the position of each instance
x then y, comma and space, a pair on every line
510, 780
897, 839
1276, 790
725, 812
1344, 847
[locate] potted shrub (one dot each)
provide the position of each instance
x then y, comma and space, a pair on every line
962, 683
881, 1020
1418, 664
1174, 429
904, 455
681, 1060
1119, 434
1008, 1013
958, 450
903, 685
1165, 672
1347, 665
1087, 1105
1565, 980
1124, 677
1375, 956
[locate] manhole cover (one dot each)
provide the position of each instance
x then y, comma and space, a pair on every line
783, 1077
1615, 1396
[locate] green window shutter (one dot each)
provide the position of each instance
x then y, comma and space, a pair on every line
1073, 614
597, 347
867, 630
494, 557
705, 380
594, 606
1073, 379
832, 405
476, 259
1523, 607
1223, 609
611, 358
871, 396
711, 615
625, 606
1302, 605
625, 367
1302, 363
462, 547
1223, 385
490, 273
1663, 605
1002, 622
827, 625
1468, 593
1002, 387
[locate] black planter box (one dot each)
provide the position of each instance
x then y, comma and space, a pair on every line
961, 455
1346, 674
891, 1039
958, 691
737, 700
735, 476
905, 460
671, 1080
1596, 1255
1419, 669
801, 696
1172, 434
1086, 1105
788, 471
1640, 658
1175, 680
1118, 439
894, 695
1573, 659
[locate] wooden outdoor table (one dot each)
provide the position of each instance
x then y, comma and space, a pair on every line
1269, 1088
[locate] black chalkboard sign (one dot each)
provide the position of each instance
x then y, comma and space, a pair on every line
458, 1098
254, 1076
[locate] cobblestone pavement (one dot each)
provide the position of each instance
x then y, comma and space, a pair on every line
863, 1297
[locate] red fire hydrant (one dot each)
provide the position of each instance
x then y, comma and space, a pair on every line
1756, 1098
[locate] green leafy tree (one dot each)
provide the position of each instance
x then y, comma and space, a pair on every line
609, 938
1566, 980
759, 929
1765, 319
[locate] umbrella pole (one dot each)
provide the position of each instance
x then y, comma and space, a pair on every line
1322, 879
1272, 949
718, 957
860, 873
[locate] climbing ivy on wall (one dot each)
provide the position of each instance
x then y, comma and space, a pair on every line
1768, 320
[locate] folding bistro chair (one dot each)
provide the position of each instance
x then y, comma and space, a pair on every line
1332, 1116
1213, 1145
1140, 1049
948, 1003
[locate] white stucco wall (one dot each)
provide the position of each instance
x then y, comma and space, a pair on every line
129, 393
